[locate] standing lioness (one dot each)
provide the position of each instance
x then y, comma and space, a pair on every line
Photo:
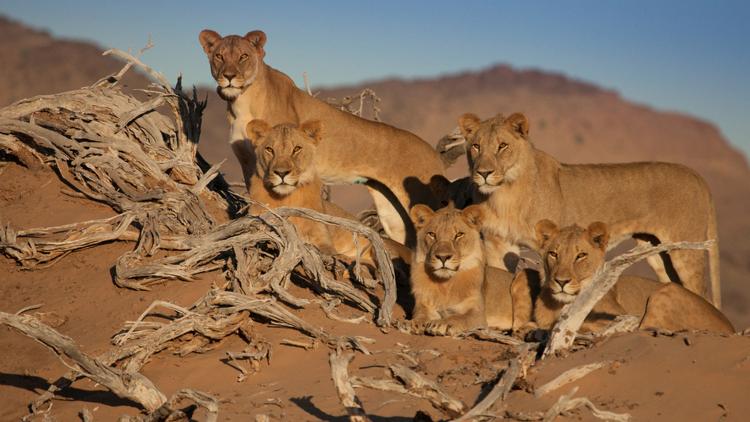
522, 185
396, 165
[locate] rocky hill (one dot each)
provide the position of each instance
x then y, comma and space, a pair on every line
573, 120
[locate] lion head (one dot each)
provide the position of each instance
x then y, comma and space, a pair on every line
235, 61
495, 148
284, 154
571, 256
448, 240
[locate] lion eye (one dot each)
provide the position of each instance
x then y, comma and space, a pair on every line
269, 150
459, 235
219, 57
552, 254
297, 149
243, 57
431, 235
502, 146
581, 256
475, 147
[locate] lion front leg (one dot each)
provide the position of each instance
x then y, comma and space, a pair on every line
455, 324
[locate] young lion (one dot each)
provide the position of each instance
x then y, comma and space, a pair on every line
649, 201
396, 165
285, 175
453, 288
572, 255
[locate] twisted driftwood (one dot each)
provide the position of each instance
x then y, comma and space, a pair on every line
112, 148
132, 386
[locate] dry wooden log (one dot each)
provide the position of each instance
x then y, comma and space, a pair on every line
169, 412
413, 384
428, 389
340, 374
33, 247
312, 261
571, 375
572, 316
621, 324
132, 386
566, 403
501, 388
491, 334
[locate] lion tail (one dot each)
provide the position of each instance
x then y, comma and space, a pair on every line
713, 259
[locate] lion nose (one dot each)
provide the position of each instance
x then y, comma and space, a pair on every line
443, 257
562, 281
485, 174
229, 76
282, 173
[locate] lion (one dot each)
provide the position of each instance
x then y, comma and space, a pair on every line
453, 288
394, 164
649, 201
572, 255
285, 175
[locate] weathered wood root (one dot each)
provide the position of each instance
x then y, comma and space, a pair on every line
169, 411
132, 386
566, 403
406, 381
571, 375
340, 374
501, 389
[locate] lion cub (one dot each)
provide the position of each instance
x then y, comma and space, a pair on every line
453, 288
285, 175
572, 255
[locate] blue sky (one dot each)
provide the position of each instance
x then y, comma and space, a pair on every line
688, 56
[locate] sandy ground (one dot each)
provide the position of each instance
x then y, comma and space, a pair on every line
688, 376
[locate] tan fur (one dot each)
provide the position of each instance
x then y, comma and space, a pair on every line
462, 192
395, 164
572, 255
522, 185
289, 149
453, 288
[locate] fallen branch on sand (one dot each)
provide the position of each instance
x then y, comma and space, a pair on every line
566, 403
128, 385
571, 375
501, 388
340, 374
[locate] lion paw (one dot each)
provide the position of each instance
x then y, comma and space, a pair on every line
439, 328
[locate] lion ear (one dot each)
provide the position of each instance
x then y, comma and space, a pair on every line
421, 215
545, 230
258, 39
313, 129
208, 39
468, 123
598, 235
518, 123
474, 214
256, 129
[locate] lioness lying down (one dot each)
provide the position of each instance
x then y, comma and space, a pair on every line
453, 288
572, 254
285, 175
649, 201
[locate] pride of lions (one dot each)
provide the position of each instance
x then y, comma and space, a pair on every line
290, 144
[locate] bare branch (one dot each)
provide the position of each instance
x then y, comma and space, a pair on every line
132, 386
